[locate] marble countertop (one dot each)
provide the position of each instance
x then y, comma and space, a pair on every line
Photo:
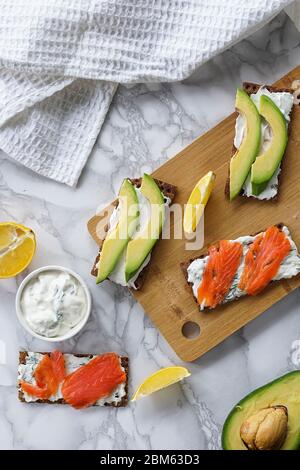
146, 126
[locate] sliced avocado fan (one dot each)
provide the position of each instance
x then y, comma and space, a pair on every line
269, 160
118, 238
282, 392
139, 248
243, 158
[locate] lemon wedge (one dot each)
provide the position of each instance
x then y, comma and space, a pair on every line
160, 379
197, 201
17, 247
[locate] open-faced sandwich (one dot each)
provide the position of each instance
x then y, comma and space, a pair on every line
245, 266
133, 230
261, 136
79, 380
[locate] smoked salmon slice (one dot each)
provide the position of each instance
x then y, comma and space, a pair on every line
219, 273
95, 380
263, 260
48, 374
58, 363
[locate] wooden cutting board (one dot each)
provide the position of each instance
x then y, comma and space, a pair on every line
165, 297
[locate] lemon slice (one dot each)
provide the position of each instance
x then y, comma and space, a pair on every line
161, 379
197, 201
17, 247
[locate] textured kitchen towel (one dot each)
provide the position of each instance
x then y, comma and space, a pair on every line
60, 61
56, 131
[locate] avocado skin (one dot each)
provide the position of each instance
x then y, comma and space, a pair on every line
258, 188
265, 388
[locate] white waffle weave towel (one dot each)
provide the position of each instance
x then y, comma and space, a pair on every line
61, 60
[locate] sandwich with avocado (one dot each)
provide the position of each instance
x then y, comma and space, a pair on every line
134, 228
244, 266
261, 137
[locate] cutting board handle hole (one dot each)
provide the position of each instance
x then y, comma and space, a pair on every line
190, 330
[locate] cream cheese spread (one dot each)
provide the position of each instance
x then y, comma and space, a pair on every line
26, 373
289, 267
118, 274
53, 302
284, 101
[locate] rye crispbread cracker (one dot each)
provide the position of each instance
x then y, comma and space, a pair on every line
123, 402
185, 264
252, 88
169, 191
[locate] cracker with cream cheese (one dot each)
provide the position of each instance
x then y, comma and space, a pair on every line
272, 190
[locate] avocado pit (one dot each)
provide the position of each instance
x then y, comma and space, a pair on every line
266, 429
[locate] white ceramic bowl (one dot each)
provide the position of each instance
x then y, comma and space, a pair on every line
76, 328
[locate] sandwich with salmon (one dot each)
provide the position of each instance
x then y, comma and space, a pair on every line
245, 266
78, 380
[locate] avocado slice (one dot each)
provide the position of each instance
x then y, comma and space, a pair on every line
284, 391
243, 158
139, 248
267, 163
118, 238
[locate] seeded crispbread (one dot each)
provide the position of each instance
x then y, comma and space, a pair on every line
169, 191
252, 88
123, 402
185, 264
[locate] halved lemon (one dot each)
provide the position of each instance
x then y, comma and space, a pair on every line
197, 201
17, 247
160, 379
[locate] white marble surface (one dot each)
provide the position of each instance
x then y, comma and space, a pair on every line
146, 125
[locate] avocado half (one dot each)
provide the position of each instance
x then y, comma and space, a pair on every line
240, 163
283, 391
